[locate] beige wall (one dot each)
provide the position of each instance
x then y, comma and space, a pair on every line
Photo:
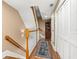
11, 25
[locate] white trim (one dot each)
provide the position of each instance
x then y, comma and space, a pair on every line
60, 6
54, 47
12, 54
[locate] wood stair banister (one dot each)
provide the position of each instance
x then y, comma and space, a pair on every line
12, 41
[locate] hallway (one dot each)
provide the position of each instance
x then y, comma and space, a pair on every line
43, 29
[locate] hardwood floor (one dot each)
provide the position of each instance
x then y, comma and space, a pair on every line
50, 55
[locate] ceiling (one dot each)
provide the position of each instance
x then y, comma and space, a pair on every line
23, 6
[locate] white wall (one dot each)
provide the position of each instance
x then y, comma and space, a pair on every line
53, 30
66, 30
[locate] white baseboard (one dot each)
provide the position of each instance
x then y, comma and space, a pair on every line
12, 54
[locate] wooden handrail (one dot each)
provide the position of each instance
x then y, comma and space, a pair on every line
8, 38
